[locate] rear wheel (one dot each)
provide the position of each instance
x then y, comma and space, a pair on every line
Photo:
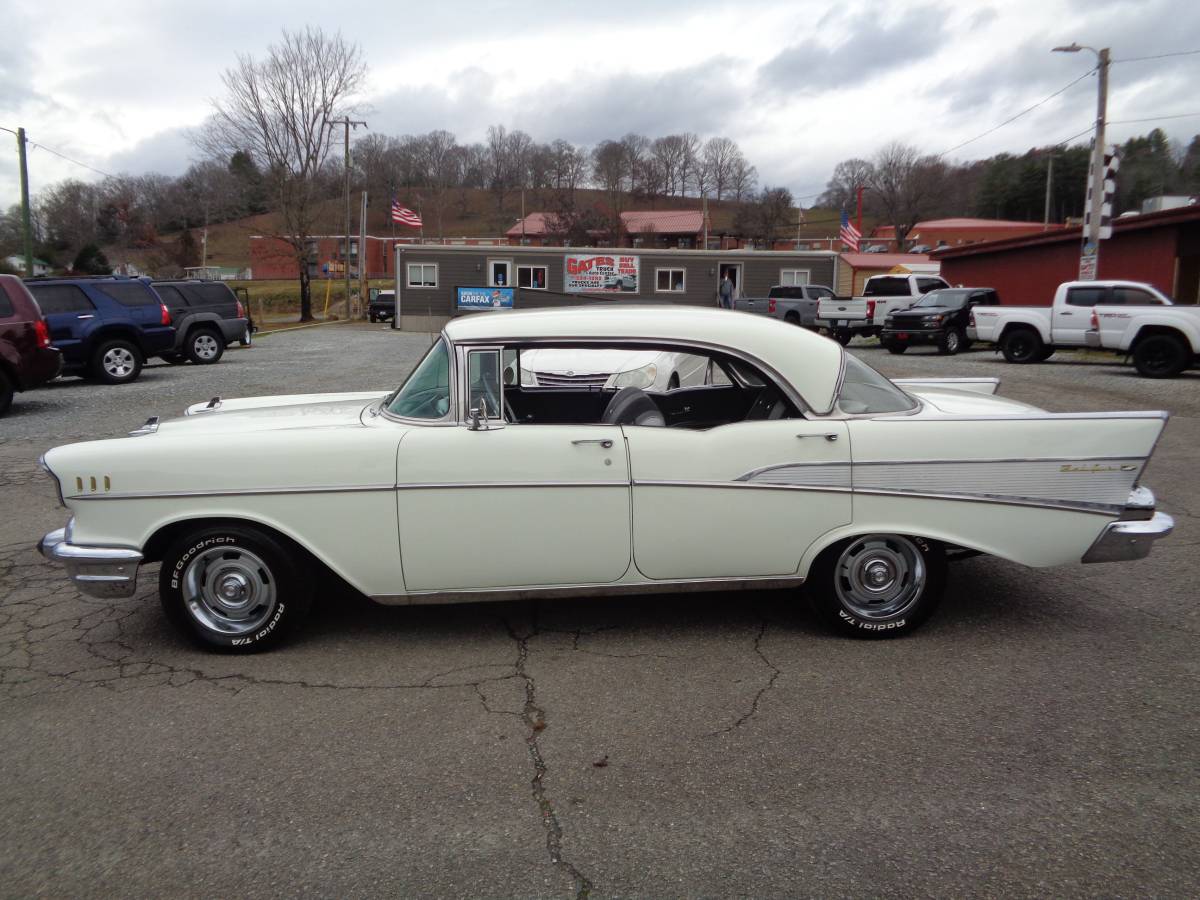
116, 362
235, 588
878, 585
6, 393
1160, 356
792, 318
247, 337
204, 346
1022, 345
842, 336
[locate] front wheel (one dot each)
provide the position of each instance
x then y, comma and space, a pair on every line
235, 588
1022, 345
878, 585
1160, 356
951, 342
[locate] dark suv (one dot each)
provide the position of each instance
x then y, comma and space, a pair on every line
106, 327
940, 318
207, 317
26, 357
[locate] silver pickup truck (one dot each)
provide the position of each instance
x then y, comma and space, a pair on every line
794, 303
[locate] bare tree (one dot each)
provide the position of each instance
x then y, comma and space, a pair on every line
280, 110
768, 217
742, 179
670, 155
720, 154
690, 163
848, 176
637, 149
904, 185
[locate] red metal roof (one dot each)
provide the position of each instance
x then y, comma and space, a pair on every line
1160, 219
537, 224
665, 221
961, 224
883, 260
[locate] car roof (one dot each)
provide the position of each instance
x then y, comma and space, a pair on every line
811, 363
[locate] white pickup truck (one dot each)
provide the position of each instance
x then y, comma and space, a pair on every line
1125, 316
882, 294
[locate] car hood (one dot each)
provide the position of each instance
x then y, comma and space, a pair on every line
586, 362
924, 310
272, 413
951, 402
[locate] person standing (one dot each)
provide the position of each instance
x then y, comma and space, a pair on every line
725, 291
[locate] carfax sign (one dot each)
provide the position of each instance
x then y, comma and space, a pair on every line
600, 274
485, 297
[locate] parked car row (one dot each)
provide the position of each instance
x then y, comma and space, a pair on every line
105, 328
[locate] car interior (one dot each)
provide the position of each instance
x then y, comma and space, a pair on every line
733, 391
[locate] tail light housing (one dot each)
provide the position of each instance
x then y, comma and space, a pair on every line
42, 332
241, 310
1095, 320
971, 319
870, 310
166, 314
771, 305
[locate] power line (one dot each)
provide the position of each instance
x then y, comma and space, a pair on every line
1012, 119
70, 160
1157, 56
1155, 119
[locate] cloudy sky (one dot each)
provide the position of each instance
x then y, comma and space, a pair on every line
800, 85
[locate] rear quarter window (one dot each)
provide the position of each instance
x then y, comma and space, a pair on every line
60, 298
133, 293
889, 286
170, 295
6, 306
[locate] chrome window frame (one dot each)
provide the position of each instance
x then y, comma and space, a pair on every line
450, 418
773, 376
462, 359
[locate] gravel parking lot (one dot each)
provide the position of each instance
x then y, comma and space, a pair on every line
1037, 737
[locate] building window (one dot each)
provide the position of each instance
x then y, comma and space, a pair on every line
793, 276
422, 275
533, 277
669, 281
499, 273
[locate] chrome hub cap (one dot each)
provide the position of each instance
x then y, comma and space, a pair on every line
229, 590
880, 576
118, 362
205, 346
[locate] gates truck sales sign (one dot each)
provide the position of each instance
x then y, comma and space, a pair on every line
601, 274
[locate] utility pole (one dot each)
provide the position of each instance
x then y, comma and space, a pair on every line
26, 227
1089, 257
362, 251
1049, 182
348, 123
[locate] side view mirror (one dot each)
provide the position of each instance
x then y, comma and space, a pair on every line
477, 418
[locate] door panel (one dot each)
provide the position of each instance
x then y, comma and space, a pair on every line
744, 499
513, 506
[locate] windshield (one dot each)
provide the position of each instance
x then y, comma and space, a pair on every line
943, 298
426, 393
865, 391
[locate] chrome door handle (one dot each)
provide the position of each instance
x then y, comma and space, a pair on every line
86, 317
829, 436
605, 442
1064, 313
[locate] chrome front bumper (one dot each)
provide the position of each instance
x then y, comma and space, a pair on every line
1133, 535
104, 572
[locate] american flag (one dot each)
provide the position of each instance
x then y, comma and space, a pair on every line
849, 235
404, 216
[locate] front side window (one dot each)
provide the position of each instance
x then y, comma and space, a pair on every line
1085, 296
60, 298
951, 298
1127, 296
422, 275
426, 393
669, 281
925, 285
865, 391
533, 277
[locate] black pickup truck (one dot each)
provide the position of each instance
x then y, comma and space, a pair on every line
939, 318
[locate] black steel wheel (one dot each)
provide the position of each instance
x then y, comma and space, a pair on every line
1022, 345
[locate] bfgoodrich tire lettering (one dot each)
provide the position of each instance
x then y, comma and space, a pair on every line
236, 588
877, 585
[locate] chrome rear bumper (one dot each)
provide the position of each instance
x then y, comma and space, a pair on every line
104, 572
1133, 535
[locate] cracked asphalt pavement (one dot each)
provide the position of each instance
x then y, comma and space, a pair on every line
1038, 737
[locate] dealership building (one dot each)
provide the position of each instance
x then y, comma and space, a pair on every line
438, 282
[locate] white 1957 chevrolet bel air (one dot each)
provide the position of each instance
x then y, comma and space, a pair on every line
786, 461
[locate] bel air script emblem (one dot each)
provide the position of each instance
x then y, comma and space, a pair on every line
1095, 468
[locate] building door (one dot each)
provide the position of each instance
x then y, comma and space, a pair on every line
735, 275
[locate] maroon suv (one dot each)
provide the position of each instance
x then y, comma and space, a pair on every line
26, 357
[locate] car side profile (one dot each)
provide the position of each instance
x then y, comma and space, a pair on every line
106, 327
207, 317
468, 483
26, 357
